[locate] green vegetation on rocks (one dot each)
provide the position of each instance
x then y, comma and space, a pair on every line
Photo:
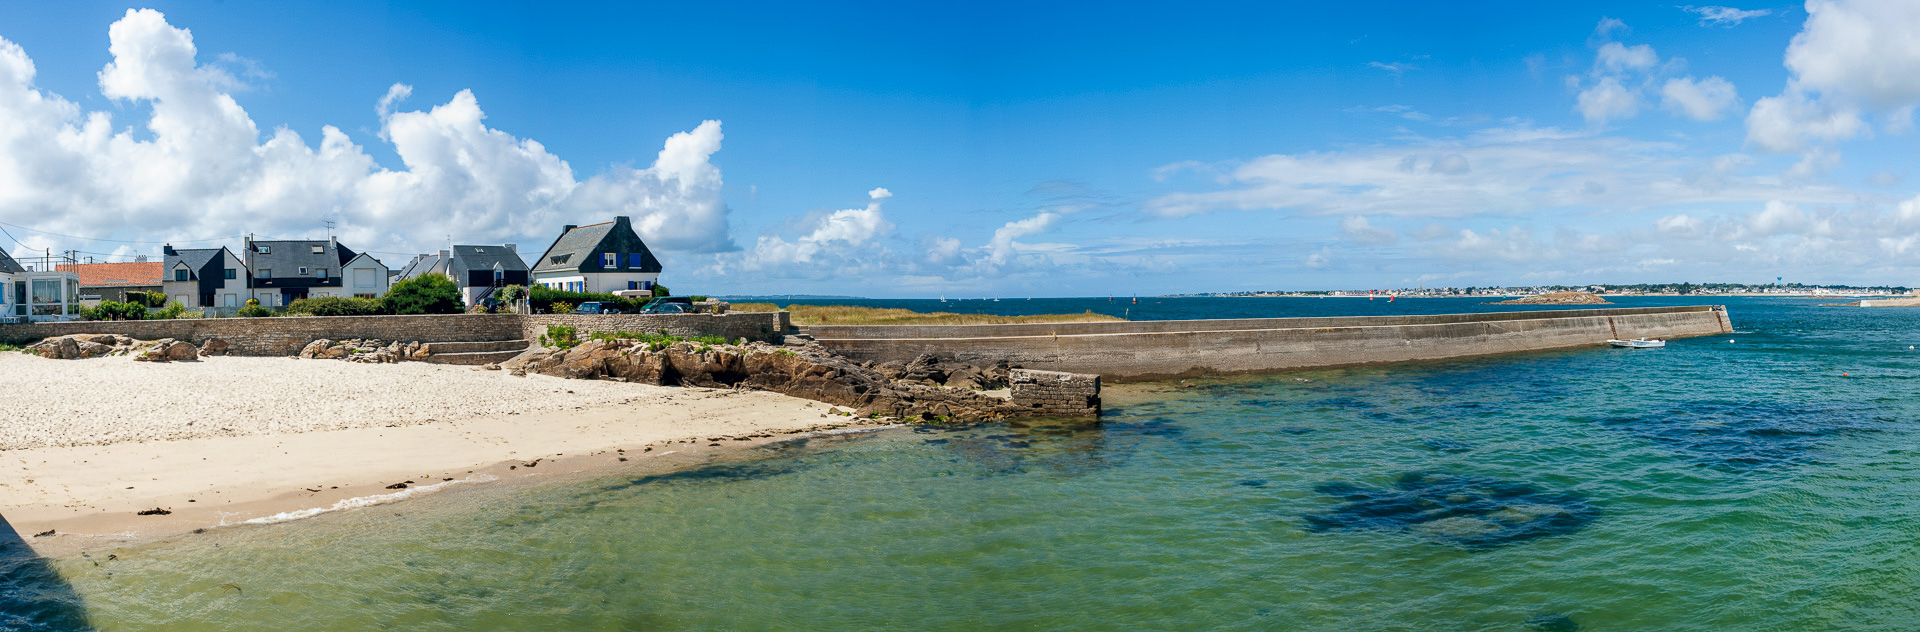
336, 306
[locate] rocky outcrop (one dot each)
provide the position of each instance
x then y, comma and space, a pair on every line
366, 351
918, 392
78, 346
1557, 298
168, 350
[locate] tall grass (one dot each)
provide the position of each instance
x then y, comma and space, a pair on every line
852, 315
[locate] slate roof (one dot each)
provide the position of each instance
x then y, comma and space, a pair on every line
8, 265
465, 258
573, 247
576, 246
116, 274
195, 258
421, 264
285, 258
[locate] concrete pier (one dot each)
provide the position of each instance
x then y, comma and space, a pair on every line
1149, 350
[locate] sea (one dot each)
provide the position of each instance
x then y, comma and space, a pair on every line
1767, 479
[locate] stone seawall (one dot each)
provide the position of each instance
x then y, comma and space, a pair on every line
754, 326
284, 336
1148, 350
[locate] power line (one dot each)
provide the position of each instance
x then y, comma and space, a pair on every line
117, 241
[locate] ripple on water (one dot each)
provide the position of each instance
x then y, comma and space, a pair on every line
1468, 511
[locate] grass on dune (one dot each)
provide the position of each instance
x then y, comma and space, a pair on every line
851, 315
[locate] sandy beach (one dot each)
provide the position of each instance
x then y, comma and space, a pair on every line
227, 440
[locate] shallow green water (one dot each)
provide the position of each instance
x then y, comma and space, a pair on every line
1706, 486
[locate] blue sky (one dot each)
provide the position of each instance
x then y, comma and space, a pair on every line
991, 148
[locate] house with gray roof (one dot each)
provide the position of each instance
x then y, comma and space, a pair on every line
478, 270
203, 277
286, 271
607, 257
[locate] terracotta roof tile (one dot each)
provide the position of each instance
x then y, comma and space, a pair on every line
115, 274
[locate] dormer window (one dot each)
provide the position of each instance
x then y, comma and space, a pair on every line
319, 249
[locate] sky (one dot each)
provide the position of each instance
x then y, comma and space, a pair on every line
988, 148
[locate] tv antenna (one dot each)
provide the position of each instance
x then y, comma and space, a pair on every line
330, 225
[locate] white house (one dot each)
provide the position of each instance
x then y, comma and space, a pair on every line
37, 293
285, 271
600, 258
203, 277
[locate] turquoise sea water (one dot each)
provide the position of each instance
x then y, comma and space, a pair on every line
1737, 482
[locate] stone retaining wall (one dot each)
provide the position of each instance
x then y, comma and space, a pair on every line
285, 336
754, 326
1138, 351
1056, 394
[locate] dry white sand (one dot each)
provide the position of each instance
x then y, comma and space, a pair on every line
104, 401
86, 443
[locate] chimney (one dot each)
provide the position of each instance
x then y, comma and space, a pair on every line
569, 228
443, 256
512, 249
139, 258
166, 250
333, 241
620, 221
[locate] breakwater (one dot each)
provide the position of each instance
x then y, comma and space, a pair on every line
1147, 350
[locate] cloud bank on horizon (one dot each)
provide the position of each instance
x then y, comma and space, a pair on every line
1661, 171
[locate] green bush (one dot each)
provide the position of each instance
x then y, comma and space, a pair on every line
424, 294
543, 299
658, 341
661, 290
336, 306
511, 293
561, 307
147, 299
697, 298
562, 336
254, 311
114, 310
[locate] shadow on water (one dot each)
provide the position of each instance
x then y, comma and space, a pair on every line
1467, 511
33, 597
1750, 435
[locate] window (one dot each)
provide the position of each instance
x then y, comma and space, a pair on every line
264, 273
232, 300
319, 250
560, 259
180, 275
231, 273
610, 260
303, 271
322, 273
633, 285
636, 260
263, 249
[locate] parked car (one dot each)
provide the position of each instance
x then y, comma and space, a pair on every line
662, 307
596, 308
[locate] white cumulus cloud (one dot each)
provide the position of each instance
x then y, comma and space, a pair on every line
1707, 99
204, 168
1850, 56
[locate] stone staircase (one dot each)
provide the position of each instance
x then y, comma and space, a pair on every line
475, 353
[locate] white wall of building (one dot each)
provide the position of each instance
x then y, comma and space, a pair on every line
597, 282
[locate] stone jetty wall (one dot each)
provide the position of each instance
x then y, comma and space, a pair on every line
1055, 393
1149, 350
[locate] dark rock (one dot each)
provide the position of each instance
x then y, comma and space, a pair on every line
156, 511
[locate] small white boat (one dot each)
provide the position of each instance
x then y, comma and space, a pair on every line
1638, 343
